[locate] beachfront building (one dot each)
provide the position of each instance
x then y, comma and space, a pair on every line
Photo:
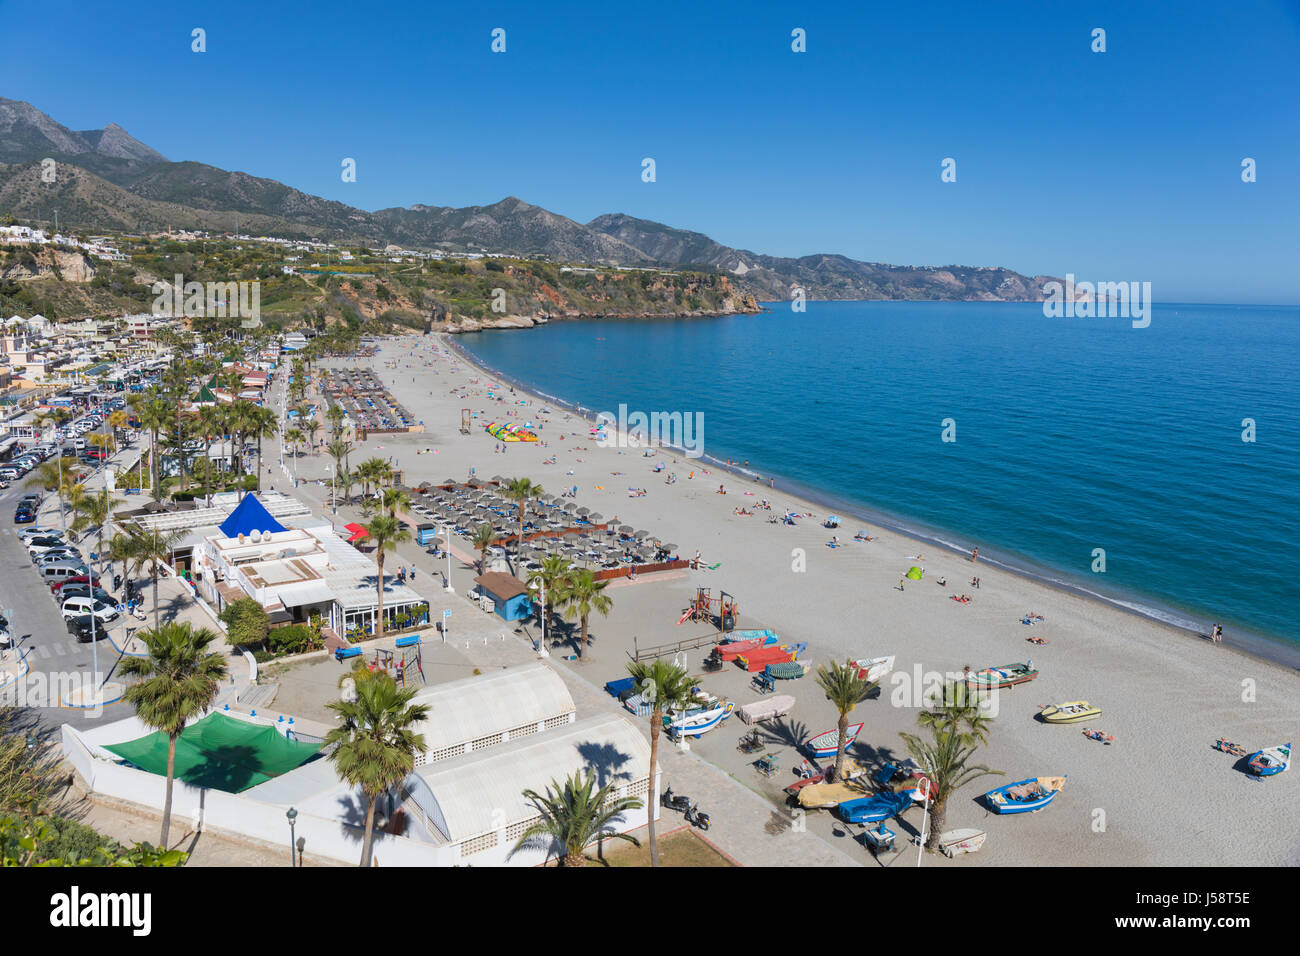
464, 809
297, 573
507, 593
477, 713
474, 804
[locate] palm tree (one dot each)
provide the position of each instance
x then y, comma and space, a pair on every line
346, 478
520, 490
335, 417
56, 474
262, 425
553, 576
338, 450
667, 687
844, 688
956, 732
395, 500
482, 538
582, 594
385, 533
294, 436
575, 815
154, 413
178, 681
142, 548
116, 422
375, 746
374, 470
211, 423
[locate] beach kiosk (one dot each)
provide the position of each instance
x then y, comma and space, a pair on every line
508, 594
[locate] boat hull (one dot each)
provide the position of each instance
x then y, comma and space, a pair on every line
1074, 712
828, 744
1270, 761
956, 842
697, 724
1005, 801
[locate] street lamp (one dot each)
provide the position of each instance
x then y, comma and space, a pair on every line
291, 814
925, 817
449, 589
540, 583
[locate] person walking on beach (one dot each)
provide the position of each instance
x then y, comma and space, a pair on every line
975, 555
1217, 634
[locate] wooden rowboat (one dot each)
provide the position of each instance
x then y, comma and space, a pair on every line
828, 743
956, 842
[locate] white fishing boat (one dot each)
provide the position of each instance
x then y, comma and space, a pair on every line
874, 668
966, 840
695, 721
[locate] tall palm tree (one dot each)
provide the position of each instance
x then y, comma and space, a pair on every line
581, 595
154, 413
375, 745
574, 815
116, 422
345, 478
294, 436
845, 689
956, 733
57, 474
553, 575
211, 423
482, 538
263, 425
335, 417
395, 500
142, 549
520, 491
339, 450
668, 688
178, 680
385, 533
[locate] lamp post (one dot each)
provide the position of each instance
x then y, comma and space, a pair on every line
541, 585
291, 814
447, 531
925, 817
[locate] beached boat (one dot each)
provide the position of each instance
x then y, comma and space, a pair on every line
768, 709
1075, 710
1270, 761
509, 432
823, 796
828, 744
730, 650
1003, 675
1025, 796
759, 659
873, 668
956, 842
788, 670
876, 808
852, 770
695, 722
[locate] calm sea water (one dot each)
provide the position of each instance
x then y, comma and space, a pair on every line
1071, 434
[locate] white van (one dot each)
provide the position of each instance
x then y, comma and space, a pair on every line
77, 606
59, 571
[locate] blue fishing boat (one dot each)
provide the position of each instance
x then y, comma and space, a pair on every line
1270, 760
1027, 796
876, 808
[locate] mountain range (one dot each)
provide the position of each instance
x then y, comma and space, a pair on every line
108, 180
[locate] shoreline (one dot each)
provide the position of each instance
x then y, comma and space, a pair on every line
1270, 649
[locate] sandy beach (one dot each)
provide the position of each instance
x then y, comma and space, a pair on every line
1159, 795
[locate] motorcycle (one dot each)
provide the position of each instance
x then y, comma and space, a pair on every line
696, 817
678, 802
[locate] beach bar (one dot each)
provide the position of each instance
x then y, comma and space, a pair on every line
507, 593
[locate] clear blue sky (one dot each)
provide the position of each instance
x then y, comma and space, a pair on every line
1116, 166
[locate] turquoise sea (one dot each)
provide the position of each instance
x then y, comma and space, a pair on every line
1072, 434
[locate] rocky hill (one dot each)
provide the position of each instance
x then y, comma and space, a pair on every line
109, 180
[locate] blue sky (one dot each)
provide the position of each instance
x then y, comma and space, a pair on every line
1124, 165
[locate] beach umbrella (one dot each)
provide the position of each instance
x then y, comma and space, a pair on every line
596, 516
625, 528
640, 534
584, 511
668, 547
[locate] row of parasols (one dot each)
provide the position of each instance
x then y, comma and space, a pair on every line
566, 528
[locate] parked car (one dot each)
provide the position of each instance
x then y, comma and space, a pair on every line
57, 586
27, 534
104, 612
38, 546
68, 553
80, 628
83, 590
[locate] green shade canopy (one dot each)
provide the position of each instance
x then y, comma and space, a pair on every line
220, 753
915, 573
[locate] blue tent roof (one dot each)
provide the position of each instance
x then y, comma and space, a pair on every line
250, 516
